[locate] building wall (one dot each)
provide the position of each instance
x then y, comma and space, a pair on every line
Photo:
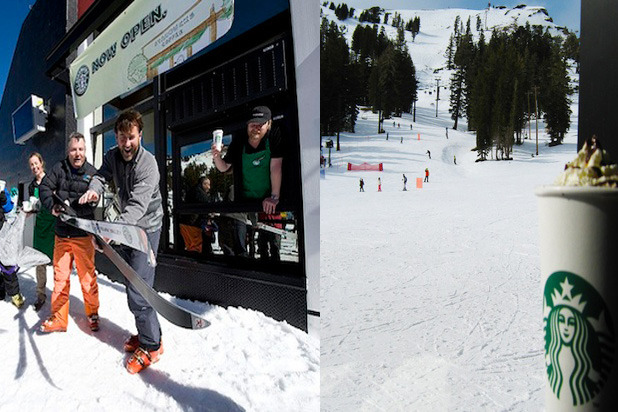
82, 6
42, 29
599, 65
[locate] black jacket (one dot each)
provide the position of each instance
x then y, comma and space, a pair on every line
69, 184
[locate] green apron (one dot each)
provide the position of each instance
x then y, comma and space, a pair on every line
256, 173
44, 227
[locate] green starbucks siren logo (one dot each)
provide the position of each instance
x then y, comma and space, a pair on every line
82, 78
579, 338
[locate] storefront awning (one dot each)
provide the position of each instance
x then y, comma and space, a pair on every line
146, 39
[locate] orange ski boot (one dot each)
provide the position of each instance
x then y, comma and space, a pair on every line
53, 324
131, 344
143, 358
93, 322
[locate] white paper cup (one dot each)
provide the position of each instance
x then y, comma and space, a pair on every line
217, 137
2, 185
34, 202
579, 271
26, 206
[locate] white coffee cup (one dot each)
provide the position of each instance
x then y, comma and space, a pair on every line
34, 202
579, 271
217, 137
26, 206
2, 185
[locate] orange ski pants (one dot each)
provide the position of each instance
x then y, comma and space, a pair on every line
78, 250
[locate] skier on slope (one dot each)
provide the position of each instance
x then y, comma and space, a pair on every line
429, 154
379, 184
426, 175
361, 183
405, 181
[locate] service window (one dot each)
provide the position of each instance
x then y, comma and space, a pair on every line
210, 219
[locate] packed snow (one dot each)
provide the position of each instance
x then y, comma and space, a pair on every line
244, 361
431, 297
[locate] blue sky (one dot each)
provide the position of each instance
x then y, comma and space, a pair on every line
563, 12
14, 13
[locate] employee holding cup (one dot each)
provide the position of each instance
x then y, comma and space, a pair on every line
257, 159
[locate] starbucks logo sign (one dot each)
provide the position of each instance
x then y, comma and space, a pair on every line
579, 338
80, 84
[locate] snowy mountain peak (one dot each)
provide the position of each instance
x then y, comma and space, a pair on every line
428, 48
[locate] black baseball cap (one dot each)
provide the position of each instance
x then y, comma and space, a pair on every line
260, 114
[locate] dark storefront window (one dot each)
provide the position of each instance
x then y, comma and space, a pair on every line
214, 223
201, 181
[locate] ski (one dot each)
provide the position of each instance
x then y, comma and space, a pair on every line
281, 232
177, 315
129, 235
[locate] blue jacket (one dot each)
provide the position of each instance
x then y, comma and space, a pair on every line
6, 202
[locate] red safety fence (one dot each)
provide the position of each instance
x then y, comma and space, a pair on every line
365, 166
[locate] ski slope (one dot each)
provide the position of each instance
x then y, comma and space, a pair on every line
244, 361
432, 297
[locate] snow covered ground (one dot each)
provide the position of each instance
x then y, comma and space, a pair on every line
431, 298
243, 361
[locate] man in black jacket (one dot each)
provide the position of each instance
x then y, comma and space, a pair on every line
69, 179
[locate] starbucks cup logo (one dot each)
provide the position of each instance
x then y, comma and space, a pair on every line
579, 338
217, 137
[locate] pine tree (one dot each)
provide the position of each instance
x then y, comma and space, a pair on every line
337, 104
382, 43
456, 102
571, 49
405, 85
416, 26
557, 103
341, 11
449, 53
456, 30
401, 37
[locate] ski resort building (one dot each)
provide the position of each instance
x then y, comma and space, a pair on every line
190, 67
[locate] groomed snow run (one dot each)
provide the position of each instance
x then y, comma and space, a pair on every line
431, 298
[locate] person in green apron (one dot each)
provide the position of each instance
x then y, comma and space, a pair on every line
256, 159
44, 228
